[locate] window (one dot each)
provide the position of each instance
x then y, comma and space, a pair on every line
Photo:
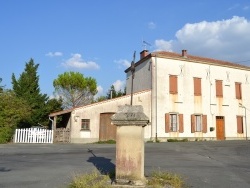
85, 124
239, 124
197, 86
173, 84
238, 90
198, 123
219, 88
174, 122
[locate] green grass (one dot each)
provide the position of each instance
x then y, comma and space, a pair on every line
160, 179
106, 142
92, 180
176, 140
157, 179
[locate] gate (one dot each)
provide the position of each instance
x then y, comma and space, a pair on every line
33, 135
62, 135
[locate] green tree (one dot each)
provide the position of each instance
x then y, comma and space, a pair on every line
75, 89
13, 110
1, 87
115, 93
27, 88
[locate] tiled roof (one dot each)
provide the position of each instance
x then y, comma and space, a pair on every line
191, 58
198, 59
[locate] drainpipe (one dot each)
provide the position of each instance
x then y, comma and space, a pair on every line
52, 126
156, 136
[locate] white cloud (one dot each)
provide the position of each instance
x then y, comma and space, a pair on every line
225, 39
151, 25
163, 45
99, 92
123, 62
119, 85
76, 61
54, 54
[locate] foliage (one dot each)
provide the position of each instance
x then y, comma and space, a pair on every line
160, 179
27, 88
113, 93
101, 98
177, 140
92, 180
75, 89
13, 110
106, 142
1, 87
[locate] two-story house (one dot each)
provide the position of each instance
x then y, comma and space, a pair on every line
185, 97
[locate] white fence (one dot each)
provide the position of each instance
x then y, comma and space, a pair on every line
33, 135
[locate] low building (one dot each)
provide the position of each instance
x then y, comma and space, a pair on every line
184, 96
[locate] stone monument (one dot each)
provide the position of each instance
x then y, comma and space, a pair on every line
130, 122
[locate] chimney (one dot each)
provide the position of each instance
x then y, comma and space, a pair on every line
143, 54
184, 53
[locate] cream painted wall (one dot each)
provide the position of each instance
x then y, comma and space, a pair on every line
93, 111
186, 103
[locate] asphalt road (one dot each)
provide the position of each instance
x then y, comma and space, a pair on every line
201, 164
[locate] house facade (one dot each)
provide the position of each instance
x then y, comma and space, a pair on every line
194, 97
184, 96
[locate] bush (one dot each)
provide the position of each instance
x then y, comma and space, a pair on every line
106, 142
176, 140
6, 134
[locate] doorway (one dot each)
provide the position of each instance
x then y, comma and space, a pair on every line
220, 128
107, 131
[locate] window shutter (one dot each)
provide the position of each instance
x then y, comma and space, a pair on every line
192, 123
167, 122
238, 90
204, 123
219, 88
239, 124
181, 126
197, 87
173, 84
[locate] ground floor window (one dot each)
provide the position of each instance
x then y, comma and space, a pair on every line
198, 123
85, 124
174, 122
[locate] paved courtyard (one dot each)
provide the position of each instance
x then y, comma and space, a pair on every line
201, 164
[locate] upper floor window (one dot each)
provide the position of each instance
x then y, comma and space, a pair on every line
219, 88
238, 90
85, 124
174, 122
173, 84
197, 86
198, 123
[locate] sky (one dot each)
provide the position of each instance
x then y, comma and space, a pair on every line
98, 37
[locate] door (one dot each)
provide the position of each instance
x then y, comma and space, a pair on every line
220, 128
106, 131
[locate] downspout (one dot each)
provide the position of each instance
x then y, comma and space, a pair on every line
156, 137
52, 126
210, 84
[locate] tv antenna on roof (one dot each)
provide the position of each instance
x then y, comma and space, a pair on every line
145, 44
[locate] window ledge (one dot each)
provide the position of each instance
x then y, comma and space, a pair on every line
86, 130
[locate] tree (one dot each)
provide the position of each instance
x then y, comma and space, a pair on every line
1, 87
27, 88
13, 110
115, 93
75, 89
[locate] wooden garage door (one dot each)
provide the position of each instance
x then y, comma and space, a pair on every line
106, 131
220, 128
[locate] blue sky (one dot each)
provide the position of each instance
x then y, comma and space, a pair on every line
97, 38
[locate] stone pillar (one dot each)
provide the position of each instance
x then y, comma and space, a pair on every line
130, 121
